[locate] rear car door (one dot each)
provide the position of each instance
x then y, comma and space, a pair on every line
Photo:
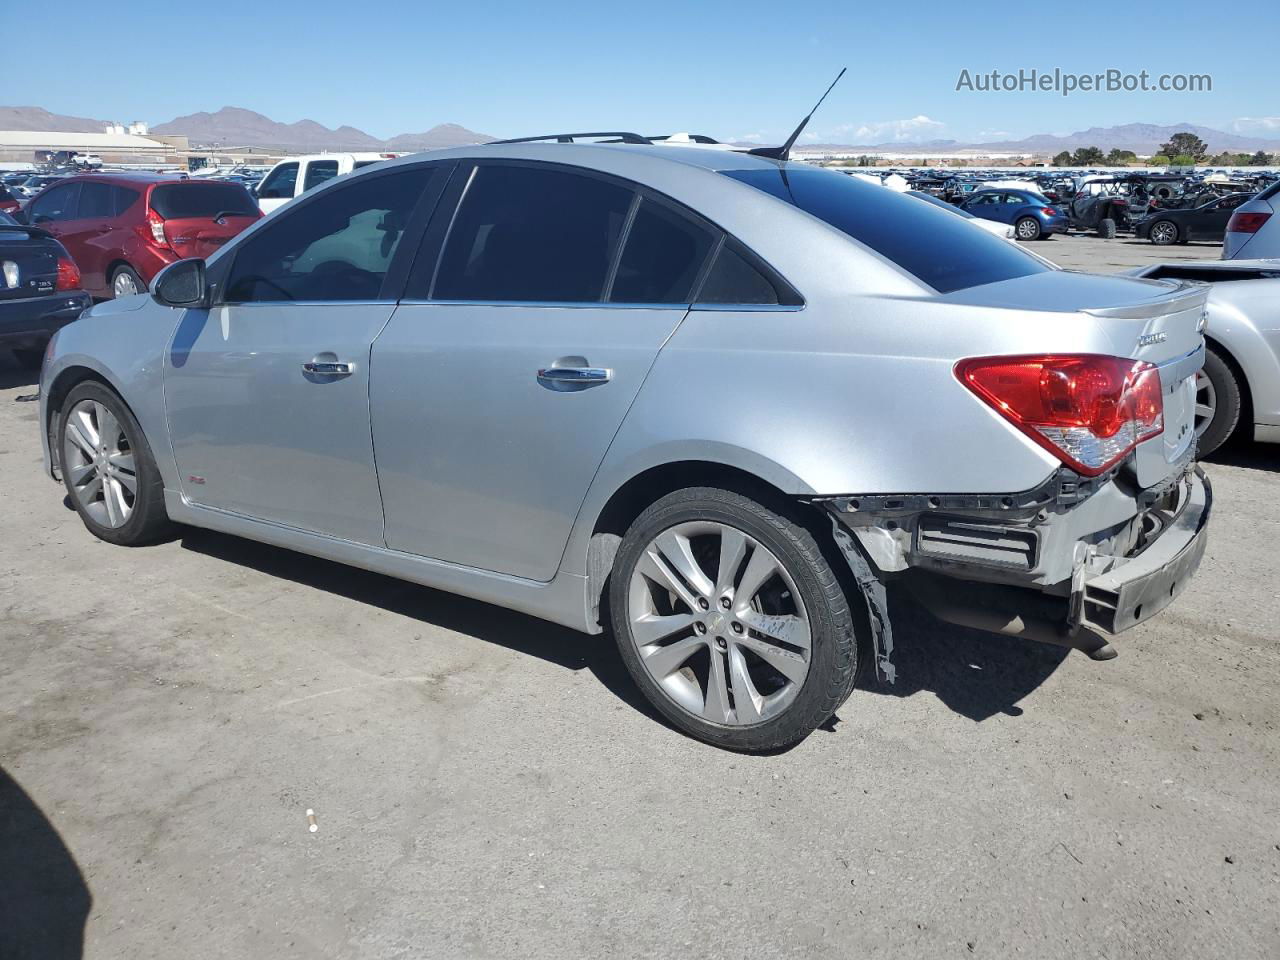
267, 393
88, 235
507, 369
318, 172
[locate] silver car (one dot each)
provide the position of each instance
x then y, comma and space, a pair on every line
1238, 391
711, 401
1254, 229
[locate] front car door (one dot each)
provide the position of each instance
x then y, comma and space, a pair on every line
267, 392
505, 373
984, 205
278, 187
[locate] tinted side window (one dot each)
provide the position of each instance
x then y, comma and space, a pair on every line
124, 198
57, 204
663, 257
96, 201
938, 249
319, 171
279, 183
531, 234
737, 277
337, 247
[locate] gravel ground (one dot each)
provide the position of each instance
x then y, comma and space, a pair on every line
487, 785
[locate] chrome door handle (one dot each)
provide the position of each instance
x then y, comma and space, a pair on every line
575, 374
325, 368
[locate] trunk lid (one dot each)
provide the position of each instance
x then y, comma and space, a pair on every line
1158, 321
28, 263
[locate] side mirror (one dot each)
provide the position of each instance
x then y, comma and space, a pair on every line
181, 284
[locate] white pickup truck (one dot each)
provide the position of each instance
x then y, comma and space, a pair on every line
295, 176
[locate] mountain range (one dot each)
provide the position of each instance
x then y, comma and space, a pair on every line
1141, 138
238, 127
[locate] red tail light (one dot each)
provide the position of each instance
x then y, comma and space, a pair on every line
68, 275
152, 229
1049, 211
1246, 222
1088, 411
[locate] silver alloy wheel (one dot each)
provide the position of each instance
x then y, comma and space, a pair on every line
1164, 232
1206, 402
98, 461
123, 285
718, 623
1027, 229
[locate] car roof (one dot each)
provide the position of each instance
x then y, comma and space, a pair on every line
129, 177
586, 155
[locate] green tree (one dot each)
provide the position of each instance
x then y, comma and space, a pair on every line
1062, 160
1120, 158
1186, 144
1159, 160
1183, 160
1260, 159
1087, 157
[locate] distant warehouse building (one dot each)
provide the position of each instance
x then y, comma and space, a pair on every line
116, 148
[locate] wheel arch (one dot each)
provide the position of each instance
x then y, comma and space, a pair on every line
66, 380
1242, 380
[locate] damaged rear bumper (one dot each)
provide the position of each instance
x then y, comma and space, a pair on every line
1037, 565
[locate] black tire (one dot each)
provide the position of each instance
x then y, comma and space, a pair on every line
1107, 228
148, 521
1163, 238
833, 663
1229, 403
127, 271
1031, 226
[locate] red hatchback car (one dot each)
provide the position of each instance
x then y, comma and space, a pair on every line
123, 228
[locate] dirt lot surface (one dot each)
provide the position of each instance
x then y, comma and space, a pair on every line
487, 785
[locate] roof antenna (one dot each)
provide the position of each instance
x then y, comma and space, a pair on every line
784, 152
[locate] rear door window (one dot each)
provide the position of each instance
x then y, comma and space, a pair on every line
939, 250
532, 234
663, 257
96, 201
192, 200
280, 183
318, 172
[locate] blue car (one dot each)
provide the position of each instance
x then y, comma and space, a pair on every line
1033, 216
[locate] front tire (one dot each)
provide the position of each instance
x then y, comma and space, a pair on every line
1218, 403
731, 621
1107, 228
1163, 233
108, 469
1028, 228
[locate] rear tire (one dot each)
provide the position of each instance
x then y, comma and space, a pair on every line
1218, 403
125, 282
1028, 228
774, 687
108, 469
1107, 228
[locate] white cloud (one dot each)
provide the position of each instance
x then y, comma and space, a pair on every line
893, 131
1256, 125
747, 138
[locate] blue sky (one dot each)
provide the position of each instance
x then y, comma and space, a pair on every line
739, 69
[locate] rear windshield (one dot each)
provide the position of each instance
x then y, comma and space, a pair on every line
930, 244
203, 200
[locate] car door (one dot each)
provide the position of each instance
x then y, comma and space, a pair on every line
267, 392
89, 235
1211, 221
506, 371
985, 205
278, 187
53, 209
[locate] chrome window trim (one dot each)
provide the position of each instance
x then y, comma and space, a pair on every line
600, 305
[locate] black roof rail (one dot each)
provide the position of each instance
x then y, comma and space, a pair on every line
619, 136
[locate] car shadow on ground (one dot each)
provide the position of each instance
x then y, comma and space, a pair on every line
1248, 456
44, 900
977, 675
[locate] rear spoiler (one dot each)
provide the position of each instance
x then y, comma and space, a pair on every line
1186, 295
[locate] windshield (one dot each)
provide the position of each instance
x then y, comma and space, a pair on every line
192, 199
938, 249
